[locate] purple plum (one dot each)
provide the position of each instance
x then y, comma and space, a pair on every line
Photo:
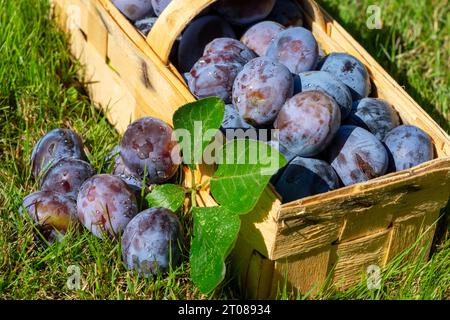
357, 155
308, 122
350, 71
374, 115
105, 205
305, 177
261, 89
151, 242
66, 176
149, 149
259, 36
52, 212
408, 146
296, 48
57, 144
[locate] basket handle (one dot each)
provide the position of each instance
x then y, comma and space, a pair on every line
172, 21
179, 13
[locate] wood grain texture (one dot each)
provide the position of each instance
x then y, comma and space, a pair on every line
304, 273
300, 243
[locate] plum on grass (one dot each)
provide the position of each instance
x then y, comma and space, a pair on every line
308, 122
197, 35
408, 146
66, 176
52, 212
160, 5
288, 13
117, 167
240, 12
149, 149
229, 45
105, 204
57, 144
350, 71
296, 48
134, 9
259, 36
357, 155
328, 83
151, 241
214, 74
374, 115
145, 25
305, 177
260, 90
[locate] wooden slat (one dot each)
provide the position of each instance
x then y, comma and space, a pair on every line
416, 229
259, 277
354, 257
305, 273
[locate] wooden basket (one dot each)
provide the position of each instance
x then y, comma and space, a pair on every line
337, 234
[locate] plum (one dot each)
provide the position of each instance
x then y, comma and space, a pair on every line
214, 75
146, 24
117, 167
350, 71
357, 155
308, 122
149, 149
304, 177
57, 144
134, 9
151, 242
233, 120
105, 205
288, 155
229, 45
52, 212
260, 90
408, 146
328, 83
287, 13
296, 48
374, 115
66, 176
240, 12
259, 36
160, 5
197, 35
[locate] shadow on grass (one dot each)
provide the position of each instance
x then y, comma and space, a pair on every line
372, 41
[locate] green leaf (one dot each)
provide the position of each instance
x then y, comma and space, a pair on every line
245, 169
168, 196
195, 125
215, 233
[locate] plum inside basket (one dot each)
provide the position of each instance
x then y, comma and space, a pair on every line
277, 72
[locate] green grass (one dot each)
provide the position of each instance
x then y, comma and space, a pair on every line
39, 91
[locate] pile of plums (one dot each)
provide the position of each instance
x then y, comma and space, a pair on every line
107, 203
328, 126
